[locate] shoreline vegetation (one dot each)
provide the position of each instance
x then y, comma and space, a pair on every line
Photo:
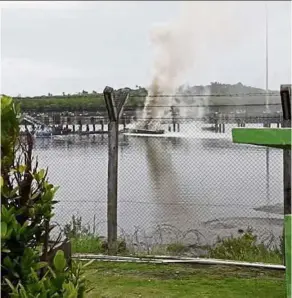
92, 100
245, 246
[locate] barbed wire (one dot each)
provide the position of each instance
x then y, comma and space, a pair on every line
161, 203
208, 95
277, 93
196, 118
206, 106
200, 105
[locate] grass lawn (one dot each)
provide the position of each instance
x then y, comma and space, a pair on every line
112, 280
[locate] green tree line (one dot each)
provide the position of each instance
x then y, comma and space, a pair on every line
94, 101
76, 102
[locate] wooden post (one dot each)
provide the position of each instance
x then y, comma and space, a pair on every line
124, 122
92, 121
114, 108
285, 92
80, 124
216, 125
173, 115
102, 125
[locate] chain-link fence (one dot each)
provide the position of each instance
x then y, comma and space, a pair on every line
184, 188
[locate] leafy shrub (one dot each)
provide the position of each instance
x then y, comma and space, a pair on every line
84, 239
59, 281
176, 248
27, 203
244, 248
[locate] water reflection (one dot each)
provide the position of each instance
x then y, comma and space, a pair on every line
165, 181
177, 181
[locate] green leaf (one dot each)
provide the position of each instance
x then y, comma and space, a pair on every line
52, 272
15, 274
31, 212
69, 290
9, 284
14, 191
59, 261
41, 174
7, 263
40, 265
2, 181
9, 231
88, 263
24, 226
22, 291
56, 188
5, 250
4, 212
3, 229
34, 196
50, 186
21, 169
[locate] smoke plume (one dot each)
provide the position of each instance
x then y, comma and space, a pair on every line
179, 48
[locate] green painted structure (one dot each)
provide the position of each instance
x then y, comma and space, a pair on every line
270, 137
276, 138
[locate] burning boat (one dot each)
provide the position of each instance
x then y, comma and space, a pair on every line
147, 131
147, 127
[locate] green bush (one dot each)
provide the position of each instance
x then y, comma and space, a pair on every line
59, 281
176, 249
27, 203
244, 248
84, 239
86, 244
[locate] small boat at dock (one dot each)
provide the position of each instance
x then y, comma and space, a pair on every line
46, 133
146, 131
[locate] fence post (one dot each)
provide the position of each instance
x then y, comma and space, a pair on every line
114, 108
285, 92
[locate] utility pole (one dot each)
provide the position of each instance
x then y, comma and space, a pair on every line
267, 107
115, 109
267, 57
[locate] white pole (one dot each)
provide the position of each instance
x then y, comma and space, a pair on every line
267, 53
267, 108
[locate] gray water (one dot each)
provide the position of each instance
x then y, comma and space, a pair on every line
192, 181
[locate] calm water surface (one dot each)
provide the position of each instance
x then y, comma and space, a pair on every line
189, 180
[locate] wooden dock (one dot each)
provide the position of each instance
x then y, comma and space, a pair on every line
80, 124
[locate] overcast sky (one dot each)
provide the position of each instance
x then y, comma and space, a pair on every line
71, 46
